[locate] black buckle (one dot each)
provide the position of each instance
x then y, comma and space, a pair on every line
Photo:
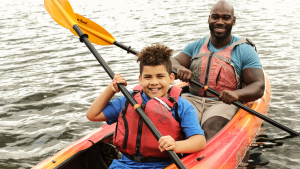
143, 105
139, 159
135, 91
172, 99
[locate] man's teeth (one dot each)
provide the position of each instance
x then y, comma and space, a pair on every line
154, 89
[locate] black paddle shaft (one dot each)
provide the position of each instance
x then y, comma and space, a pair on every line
125, 92
236, 103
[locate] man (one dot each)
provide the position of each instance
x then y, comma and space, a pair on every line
223, 62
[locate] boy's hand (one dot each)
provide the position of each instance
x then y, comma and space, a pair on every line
166, 143
117, 79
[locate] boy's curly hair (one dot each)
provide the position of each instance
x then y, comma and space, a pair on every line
155, 55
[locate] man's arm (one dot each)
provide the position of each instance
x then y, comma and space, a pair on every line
181, 63
255, 86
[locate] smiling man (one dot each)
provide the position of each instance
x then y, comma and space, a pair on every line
223, 62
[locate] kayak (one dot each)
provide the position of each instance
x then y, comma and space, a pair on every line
225, 150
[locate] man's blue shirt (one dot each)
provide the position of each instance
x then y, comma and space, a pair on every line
242, 56
189, 124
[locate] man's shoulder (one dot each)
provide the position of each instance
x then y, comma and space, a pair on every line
193, 47
244, 47
235, 38
199, 41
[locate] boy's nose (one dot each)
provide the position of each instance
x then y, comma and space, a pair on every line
153, 82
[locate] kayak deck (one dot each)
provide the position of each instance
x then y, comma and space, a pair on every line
225, 150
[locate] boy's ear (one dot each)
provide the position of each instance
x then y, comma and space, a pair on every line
172, 77
140, 80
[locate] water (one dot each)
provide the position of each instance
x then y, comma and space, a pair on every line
49, 79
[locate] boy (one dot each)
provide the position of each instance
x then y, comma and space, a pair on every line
173, 116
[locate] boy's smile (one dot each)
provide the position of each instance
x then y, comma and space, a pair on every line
156, 81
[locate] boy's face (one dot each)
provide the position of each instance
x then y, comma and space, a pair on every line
156, 81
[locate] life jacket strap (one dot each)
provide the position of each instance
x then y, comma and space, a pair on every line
163, 103
176, 114
127, 101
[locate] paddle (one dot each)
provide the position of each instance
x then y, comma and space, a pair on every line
99, 35
62, 12
100, 30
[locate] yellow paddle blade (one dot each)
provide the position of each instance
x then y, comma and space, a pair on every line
97, 34
62, 12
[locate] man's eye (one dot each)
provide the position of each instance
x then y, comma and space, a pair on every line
226, 18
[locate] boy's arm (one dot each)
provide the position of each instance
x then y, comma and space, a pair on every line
195, 139
95, 111
193, 144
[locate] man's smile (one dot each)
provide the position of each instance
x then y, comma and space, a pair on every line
219, 30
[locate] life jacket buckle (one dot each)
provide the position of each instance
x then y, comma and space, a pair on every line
143, 105
172, 99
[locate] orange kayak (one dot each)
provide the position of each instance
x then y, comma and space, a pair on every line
225, 150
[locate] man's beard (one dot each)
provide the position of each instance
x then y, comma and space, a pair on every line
218, 36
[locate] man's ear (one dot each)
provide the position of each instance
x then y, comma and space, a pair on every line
140, 80
233, 21
208, 19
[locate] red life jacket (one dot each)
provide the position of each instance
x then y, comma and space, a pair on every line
214, 70
133, 136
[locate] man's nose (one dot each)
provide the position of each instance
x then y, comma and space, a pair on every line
220, 21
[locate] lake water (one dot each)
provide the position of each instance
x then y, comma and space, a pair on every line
49, 79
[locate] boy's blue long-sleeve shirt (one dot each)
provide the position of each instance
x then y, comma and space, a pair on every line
189, 124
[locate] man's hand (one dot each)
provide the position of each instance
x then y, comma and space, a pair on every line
228, 96
184, 74
166, 143
181, 64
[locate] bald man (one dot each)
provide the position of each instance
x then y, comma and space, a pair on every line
224, 62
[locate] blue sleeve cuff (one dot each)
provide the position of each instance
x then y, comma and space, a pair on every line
110, 116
